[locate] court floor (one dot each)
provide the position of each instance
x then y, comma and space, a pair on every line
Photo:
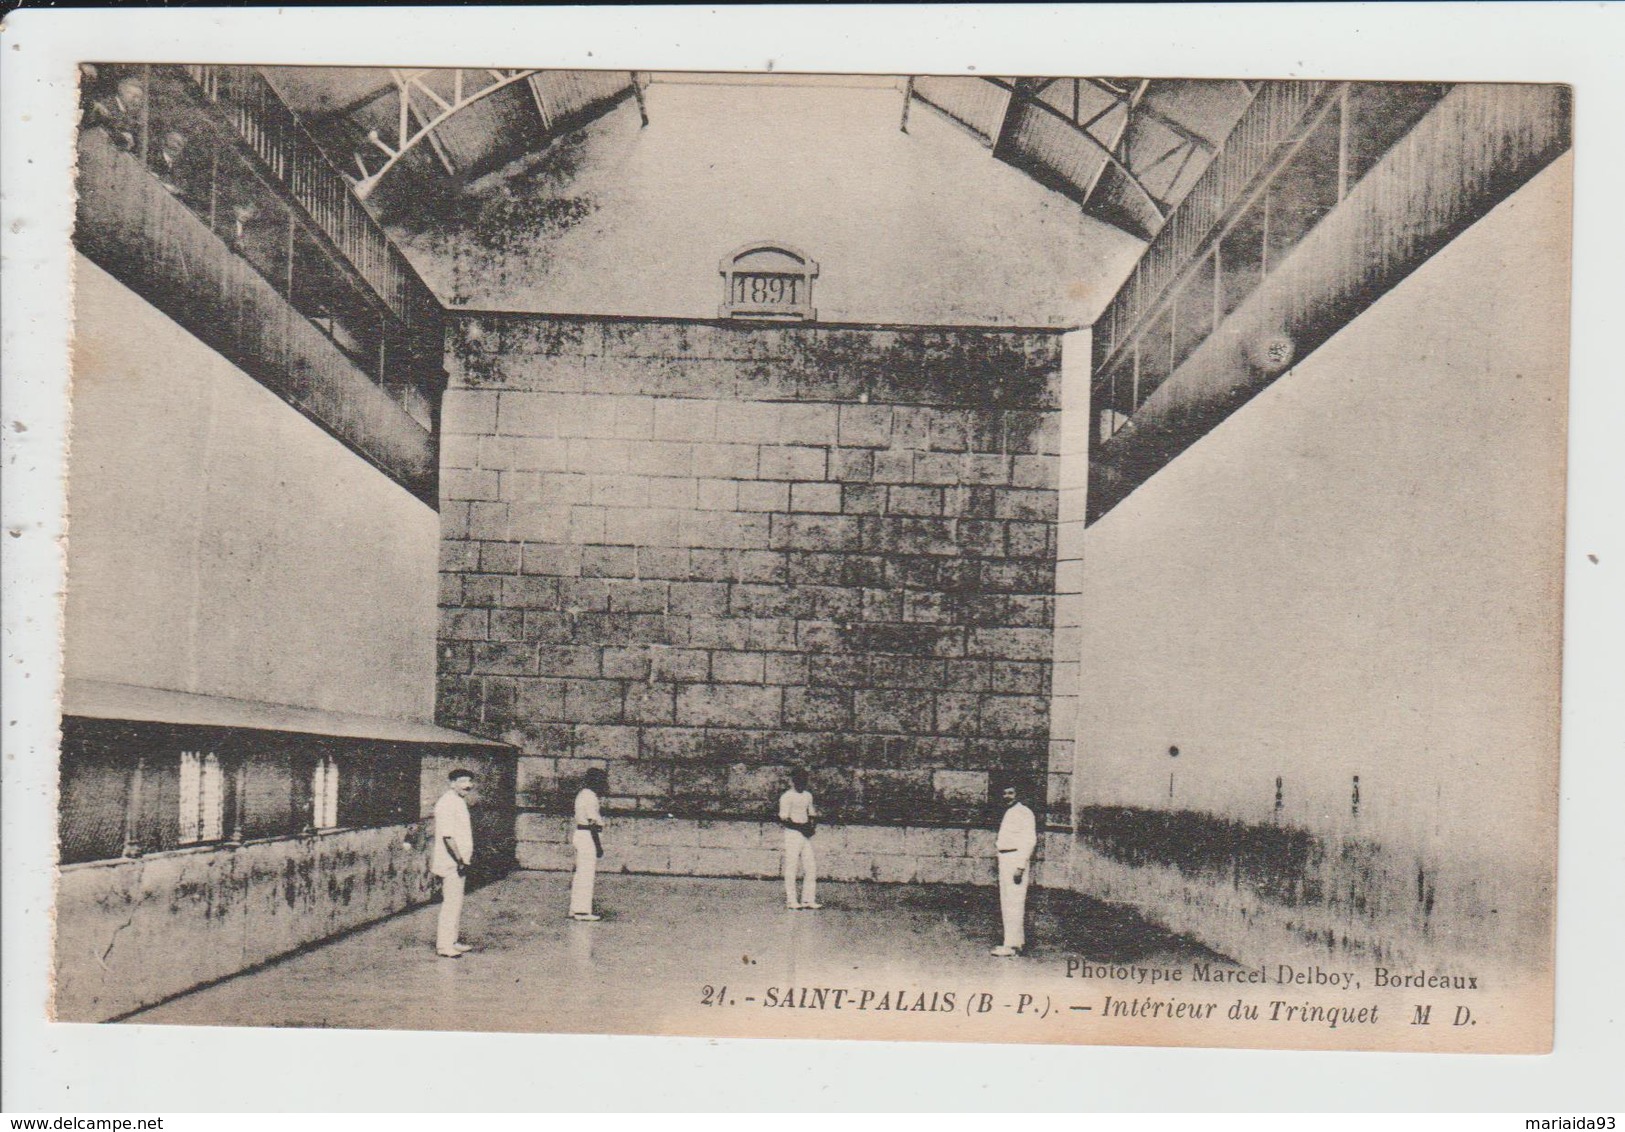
683, 955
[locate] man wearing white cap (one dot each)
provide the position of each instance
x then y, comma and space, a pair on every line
453, 850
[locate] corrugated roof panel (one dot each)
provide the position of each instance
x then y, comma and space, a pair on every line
1082, 101
313, 91
974, 103
563, 94
1053, 151
497, 128
101, 699
1119, 200
344, 105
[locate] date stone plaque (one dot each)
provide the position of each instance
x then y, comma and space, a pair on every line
768, 281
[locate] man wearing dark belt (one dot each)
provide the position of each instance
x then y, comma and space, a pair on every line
1018, 837
589, 846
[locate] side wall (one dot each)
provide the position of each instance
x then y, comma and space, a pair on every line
697, 554
1343, 607
133, 932
220, 543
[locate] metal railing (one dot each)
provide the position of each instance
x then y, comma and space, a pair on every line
143, 234
272, 131
1366, 118
1390, 175
1273, 118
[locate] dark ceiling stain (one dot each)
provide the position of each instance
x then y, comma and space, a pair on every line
531, 192
478, 235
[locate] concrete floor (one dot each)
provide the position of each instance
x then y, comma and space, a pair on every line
645, 968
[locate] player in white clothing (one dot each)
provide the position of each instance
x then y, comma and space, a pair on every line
449, 860
1018, 837
589, 846
799, 817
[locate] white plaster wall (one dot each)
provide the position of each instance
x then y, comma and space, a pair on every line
924, 227
221, 543
1360, 573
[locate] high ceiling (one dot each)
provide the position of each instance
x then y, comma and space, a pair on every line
1126, 149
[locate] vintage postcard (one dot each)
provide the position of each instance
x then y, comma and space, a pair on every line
960, 557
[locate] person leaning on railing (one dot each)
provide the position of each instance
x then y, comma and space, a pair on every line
118, 111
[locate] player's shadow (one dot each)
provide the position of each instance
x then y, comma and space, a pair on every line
1060, 921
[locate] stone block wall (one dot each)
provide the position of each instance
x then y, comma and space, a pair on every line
697, 553
889, 854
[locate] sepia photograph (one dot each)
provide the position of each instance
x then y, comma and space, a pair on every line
1058, 559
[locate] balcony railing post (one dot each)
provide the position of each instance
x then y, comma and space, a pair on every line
144, 143
292, 230
1343, 143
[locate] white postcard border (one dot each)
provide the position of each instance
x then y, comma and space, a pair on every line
87, 1068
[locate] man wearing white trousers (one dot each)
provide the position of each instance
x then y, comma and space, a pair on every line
1018, 837
449, 860
799, 817
589, 845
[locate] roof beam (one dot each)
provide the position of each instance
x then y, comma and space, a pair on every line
1137, 104
407, 138
1117, 138
1018, 97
